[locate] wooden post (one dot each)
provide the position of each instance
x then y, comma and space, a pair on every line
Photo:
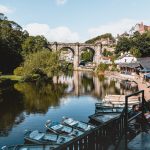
126, 121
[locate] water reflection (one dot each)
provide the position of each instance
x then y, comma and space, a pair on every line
11, 106
37, 99
66, 95
83, 83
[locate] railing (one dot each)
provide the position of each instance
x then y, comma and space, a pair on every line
110, 133
97, 139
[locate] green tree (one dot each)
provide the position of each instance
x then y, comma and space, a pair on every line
102, 67
123, 45
87, 55
107, 53
41, 62
34, 44
11, 38
139, 41
103, 36
135, 52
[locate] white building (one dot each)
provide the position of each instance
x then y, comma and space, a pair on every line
126, 58
105, 60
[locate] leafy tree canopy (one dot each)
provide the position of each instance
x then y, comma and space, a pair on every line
11, 38
41, 62
107, 53
138, 44
87, 55
104, 36
34, 44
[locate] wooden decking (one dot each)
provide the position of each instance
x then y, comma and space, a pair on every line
140, 142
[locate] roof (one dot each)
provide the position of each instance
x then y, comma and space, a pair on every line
147, 75
130, 65
105, 58
144, 62
125, 55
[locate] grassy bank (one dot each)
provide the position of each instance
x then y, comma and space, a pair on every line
11, 77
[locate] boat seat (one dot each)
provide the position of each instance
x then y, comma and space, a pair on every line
68, 121
67, 129
61, 140
50, 137
36, 135
82, 125
57, 127
74, 123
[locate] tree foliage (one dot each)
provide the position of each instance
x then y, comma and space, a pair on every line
102, 67
15, 44
138, 44
41, 62
11, 38
103, 36
107, 53
87, 55
33, 44
135, 52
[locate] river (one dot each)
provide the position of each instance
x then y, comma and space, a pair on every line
26, 106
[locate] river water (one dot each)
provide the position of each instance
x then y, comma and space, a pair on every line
26, 106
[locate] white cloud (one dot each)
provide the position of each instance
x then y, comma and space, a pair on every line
5, 9
59, 34
114, 27
61, 2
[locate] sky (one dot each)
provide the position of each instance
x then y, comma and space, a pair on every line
76, 20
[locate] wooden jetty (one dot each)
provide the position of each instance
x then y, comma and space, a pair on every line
120, 100
140, 142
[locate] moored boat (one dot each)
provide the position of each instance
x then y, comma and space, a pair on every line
59, 128
100, 118
99, 107
46, 138
83, 126
30, 147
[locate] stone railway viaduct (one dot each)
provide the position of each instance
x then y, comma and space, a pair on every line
77, 49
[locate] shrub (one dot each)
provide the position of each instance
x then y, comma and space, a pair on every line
18, 71
102, 67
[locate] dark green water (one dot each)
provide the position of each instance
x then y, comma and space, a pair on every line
28, 106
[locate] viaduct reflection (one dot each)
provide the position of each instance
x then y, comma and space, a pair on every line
83, 83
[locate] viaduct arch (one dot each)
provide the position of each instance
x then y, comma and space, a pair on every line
76, 49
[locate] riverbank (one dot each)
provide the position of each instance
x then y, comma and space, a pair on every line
11, 77
141, 84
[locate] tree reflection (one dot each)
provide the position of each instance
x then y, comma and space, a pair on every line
11, 106
38, 98
87, 84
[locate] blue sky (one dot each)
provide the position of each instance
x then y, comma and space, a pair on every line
76, 20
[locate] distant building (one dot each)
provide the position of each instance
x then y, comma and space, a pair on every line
141, 28
105, 41
106, 60
125, 58
142, 65
125, 34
